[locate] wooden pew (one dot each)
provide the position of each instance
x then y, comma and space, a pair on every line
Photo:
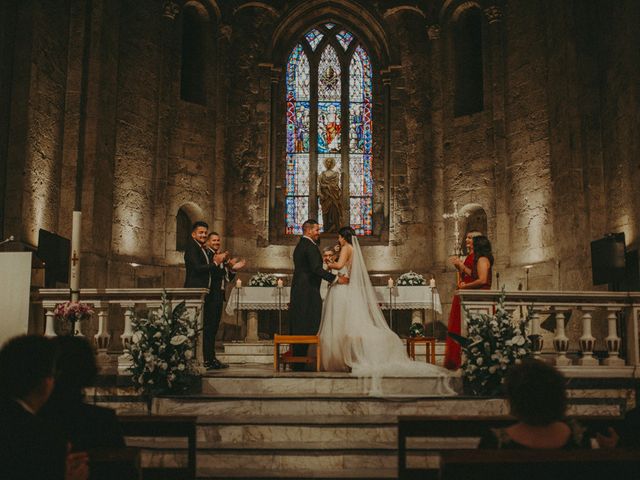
463, 427
164, 426
539, 464
110, 463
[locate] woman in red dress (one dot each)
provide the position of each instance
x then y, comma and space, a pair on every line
474, 272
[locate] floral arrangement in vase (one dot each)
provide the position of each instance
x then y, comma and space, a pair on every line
263, 280
411, 279
495, 342
163, 348
73, 312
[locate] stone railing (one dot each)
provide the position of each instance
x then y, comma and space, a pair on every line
128, 299
607, 308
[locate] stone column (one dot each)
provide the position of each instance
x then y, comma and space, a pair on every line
252, 326
437, 139
496, 53
612, 340
587, 341
561, 341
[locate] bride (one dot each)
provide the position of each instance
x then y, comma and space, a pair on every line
354, 335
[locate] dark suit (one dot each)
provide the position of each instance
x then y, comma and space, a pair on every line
85, 426
305, 309
201, 273
30, 448
218, 281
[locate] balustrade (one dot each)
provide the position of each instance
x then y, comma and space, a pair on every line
584, 307
128, 299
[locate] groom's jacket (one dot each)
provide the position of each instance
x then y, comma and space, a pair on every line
201, 273
306, 304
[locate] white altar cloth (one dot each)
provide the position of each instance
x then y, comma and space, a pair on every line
402, 298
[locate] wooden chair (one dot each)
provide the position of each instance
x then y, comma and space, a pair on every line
164, 426
281, 359
539, 464
430, 346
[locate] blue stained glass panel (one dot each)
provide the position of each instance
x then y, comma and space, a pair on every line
344, 38
297, 174
298, 127
329, 127
314, 37
297, 211
298, 75
360, 213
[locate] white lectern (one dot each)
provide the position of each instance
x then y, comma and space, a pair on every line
15, 285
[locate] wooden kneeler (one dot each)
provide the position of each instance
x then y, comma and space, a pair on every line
279, 359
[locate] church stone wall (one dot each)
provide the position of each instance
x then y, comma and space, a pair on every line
552, 159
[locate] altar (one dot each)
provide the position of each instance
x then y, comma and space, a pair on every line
418, 299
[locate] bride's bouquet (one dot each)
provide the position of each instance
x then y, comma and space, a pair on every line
411, 279
263, 280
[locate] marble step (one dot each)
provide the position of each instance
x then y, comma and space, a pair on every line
298, 474
321, 406
312, 406
317, 385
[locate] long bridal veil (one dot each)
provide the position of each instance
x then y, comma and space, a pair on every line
375, 350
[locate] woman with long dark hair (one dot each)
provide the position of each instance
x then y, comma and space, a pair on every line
474, 272
354, 335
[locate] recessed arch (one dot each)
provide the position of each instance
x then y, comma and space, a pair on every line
354, 18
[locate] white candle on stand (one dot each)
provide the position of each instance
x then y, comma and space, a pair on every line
74, 282
432, 282
238, 283
390, 282
280, 283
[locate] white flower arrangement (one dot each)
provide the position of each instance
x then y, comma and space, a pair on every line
263, 280
495, 342
162, 347
411, 279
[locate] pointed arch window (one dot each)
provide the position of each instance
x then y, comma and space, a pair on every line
329, 99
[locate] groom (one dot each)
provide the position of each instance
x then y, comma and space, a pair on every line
305, 308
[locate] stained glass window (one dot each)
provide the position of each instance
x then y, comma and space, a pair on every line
314, 37
318, 94
297, 150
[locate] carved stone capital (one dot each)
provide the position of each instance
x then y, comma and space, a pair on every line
434, 32
493, 14
170, 9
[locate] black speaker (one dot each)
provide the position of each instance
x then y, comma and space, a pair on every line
608, 259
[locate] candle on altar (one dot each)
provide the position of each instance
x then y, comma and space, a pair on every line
74, 282
390, 282
280, 283
432, 282
238, 283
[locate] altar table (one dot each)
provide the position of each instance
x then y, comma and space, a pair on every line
251, 299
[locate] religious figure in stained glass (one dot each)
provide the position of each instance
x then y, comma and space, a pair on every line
330, 196
330, 50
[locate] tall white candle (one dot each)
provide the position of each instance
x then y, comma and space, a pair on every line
280, 283
74, 281
238, 283
390, 282
432, 283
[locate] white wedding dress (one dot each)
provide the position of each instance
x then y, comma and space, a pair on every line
354, 335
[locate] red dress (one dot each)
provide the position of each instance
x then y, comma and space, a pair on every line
452, 349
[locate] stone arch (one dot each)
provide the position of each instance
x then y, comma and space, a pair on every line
352, 16
195, 28
476, 221
186, 215
467, 44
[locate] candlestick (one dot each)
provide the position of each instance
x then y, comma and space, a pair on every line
238, 283
390, 282
432, 282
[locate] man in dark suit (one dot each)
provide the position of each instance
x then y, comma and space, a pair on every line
202, 272
305, 309
30, 447
229, 267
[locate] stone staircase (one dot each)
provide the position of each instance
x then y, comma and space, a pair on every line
254, 423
